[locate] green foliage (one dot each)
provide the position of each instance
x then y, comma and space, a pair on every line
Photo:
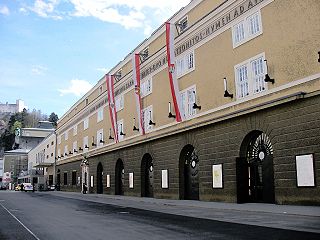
53, 118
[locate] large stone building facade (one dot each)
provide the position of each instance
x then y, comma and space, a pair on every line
249, 95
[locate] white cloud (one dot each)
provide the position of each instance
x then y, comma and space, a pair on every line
4, 10
104, 70
76, 87
145, 14
38, 70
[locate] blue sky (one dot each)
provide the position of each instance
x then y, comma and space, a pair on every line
53, 51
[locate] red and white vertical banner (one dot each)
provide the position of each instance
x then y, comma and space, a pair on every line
112, 105
172, 71
137, 89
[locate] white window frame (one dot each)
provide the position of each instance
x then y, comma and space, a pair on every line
119, 102
75, 130
146, 87
66, 150
100, 137
120, 124
74, 146
146, 118
86, 123
185, 63
100, 114
252, 88
59, 153
187, 98
66, 136
247, 35
59, 139
85, 142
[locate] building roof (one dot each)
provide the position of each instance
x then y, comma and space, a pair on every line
17, 151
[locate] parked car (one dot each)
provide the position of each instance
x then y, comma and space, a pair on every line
3, 187
51, 187
27, 187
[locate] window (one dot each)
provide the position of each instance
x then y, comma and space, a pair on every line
47, 145
249, 76
120, 128
85, 123
87, 101
74, 146
100, 137
51, 154
147, 116
185, 64
65, 178
66, 136
188, 98
100, 114
75, 130
52, 143
183, 24
146, 87
85, 143
119, 103
144, 54
59, 139
65, 150
74, 178
59, 153
100, 89
247, 29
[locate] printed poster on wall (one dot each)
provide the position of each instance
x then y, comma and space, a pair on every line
131, 180
217, 176
164, 179
305, 171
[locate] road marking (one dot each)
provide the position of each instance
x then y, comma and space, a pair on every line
20, 222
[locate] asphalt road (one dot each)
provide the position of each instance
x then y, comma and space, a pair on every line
47, 217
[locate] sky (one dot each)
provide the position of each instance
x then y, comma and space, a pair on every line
53, 51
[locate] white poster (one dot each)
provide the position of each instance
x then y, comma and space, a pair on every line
217, 176
164, 179
108, 180
305, 171
91, 182
131, 180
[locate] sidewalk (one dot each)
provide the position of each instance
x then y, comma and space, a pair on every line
300, 218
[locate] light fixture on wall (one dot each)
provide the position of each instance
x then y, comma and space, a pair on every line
101, 138
66, 154
170, 113
86, 146
110, 137
93, 144
195, 105
61, 156
121, 131
226, 93
150, 121
267, 77
70, 152
80, 149
134, 125
75, 150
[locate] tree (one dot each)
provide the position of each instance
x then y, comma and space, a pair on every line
53, 118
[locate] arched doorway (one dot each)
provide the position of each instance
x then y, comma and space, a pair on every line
189, 174
147, 176
58, 180
99, 178
255, 176
119, 177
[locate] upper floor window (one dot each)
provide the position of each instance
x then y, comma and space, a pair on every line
75, 130
147, 114
247, 29
85, 144
188, 98
65, 149
59, 139
100, 89
249, 76
144, 54
74, 146
120, 128
119, 103
59, 153
146, 87
100, 114
182, 24
185, 64
66, 136
87, 101
100, 137
86, 123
